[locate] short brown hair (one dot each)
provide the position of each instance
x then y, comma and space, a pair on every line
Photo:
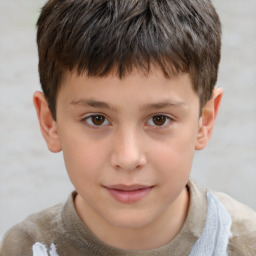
101, 36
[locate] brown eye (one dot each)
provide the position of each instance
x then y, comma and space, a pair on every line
159, 120
97, 120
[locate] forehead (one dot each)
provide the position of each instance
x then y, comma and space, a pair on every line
153, 88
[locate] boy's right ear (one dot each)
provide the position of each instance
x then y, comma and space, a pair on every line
47, 124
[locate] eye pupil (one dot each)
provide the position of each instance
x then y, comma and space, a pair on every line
98, 120
159, 120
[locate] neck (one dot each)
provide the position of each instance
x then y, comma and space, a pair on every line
154, 235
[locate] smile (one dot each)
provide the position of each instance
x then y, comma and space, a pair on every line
128, 194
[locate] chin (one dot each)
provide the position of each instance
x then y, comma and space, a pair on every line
131, 221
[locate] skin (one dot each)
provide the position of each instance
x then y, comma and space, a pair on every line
138, 132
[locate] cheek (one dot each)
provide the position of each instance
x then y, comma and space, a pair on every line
83, 158
175, 163
175, 156
173, 166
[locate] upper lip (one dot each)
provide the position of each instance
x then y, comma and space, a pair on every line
128, 187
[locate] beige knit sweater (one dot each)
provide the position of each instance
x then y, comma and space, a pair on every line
61, 226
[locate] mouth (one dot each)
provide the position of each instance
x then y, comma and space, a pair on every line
128, 194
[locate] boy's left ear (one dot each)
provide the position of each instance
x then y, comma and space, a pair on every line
207, 120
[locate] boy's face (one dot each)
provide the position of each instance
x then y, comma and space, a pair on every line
128, 144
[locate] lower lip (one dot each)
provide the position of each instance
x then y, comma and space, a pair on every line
129, 197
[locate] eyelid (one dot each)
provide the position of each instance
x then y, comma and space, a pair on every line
169, 117
90, 115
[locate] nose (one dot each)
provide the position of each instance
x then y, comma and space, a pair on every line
128, 151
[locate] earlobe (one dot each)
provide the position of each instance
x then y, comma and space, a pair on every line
207, 120
47, 124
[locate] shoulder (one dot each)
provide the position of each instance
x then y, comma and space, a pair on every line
243, 241
39, 227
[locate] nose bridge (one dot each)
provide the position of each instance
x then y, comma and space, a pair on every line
128, 151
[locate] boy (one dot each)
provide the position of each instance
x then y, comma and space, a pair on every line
128, 95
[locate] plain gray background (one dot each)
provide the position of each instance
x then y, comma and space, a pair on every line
32, 178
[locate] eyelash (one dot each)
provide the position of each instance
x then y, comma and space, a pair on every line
150, 122
167, 120
89, 122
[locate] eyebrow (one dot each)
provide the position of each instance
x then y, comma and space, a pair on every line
104, 105
164, 104
92, 103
